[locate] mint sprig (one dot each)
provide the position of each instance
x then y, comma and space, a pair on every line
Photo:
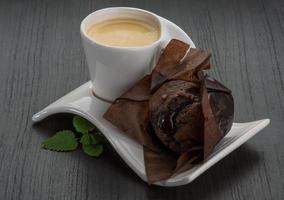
92, 143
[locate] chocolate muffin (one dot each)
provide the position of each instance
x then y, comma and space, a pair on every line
176, 112
176, 116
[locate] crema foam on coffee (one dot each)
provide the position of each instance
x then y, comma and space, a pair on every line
124, 33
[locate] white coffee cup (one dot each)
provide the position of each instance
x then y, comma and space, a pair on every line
114, 70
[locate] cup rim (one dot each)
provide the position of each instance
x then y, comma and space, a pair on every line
84, 34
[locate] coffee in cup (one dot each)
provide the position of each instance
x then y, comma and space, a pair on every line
114, 66
124, 32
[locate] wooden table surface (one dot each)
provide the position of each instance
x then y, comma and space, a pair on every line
41, 59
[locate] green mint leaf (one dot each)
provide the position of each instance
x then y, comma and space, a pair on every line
93, 150
61, 141
85, 139
82, 125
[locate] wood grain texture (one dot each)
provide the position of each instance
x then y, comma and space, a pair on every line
41, 59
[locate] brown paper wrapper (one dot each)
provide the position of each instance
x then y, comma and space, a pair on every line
179, 69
